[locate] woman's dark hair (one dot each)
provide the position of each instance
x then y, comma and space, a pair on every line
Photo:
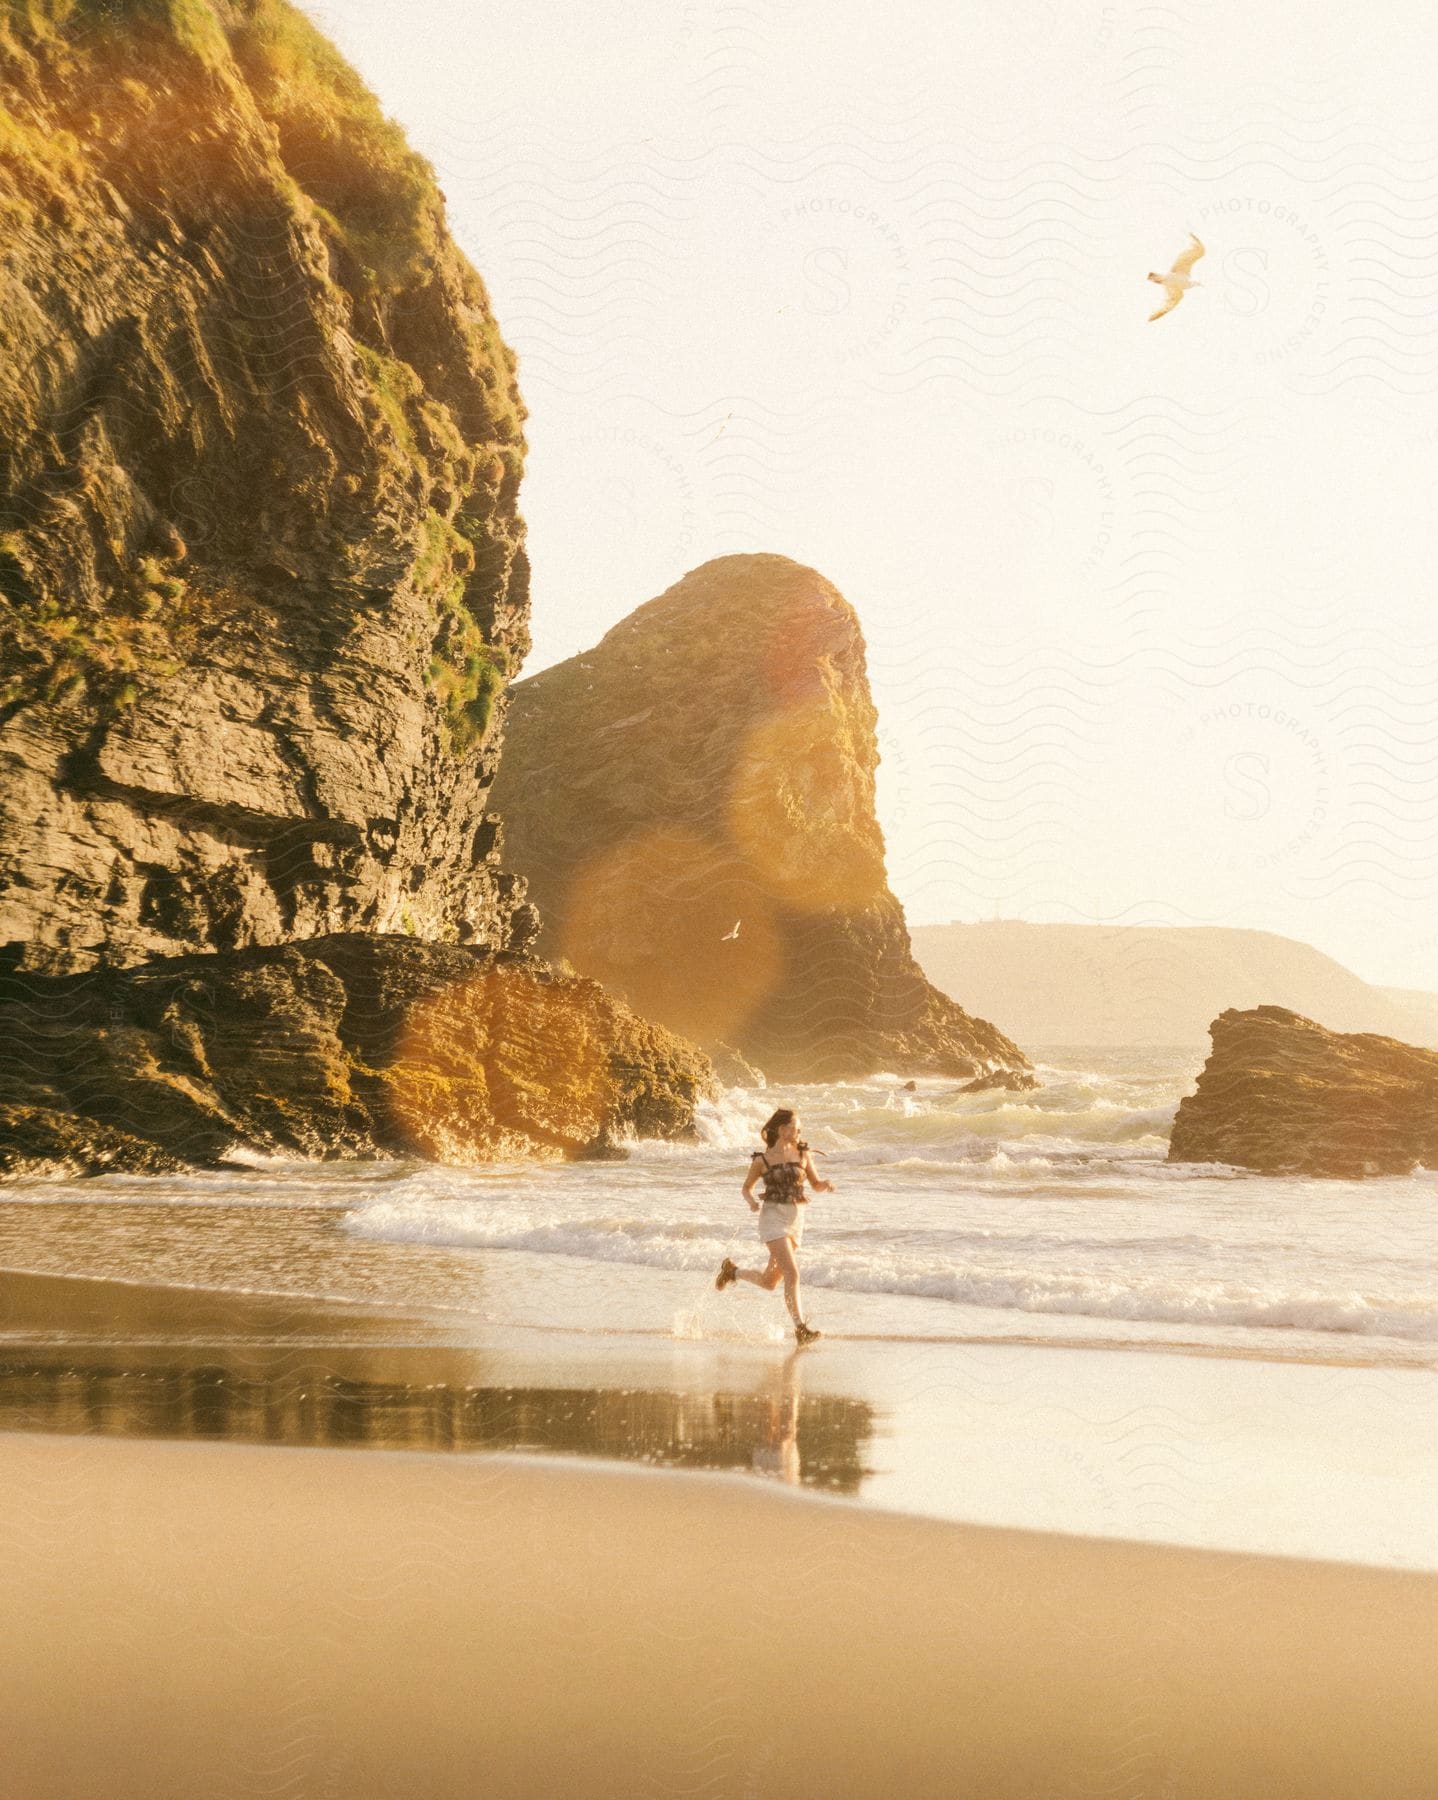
783, 1117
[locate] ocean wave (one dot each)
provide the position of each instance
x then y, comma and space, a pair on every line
733, 1120
1058, 1201
851, 1260
937, 1120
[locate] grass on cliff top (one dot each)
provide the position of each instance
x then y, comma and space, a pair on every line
375, 194
192, 24
334, 136
375, 199
338, 144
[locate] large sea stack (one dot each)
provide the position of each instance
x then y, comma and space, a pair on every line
1284, 1095
710, 763
262, 586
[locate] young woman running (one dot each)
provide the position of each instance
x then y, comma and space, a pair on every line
783, 1167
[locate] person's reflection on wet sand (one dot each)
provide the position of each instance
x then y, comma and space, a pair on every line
776, 1449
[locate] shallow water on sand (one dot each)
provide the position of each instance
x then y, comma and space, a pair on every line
1049, 1215
1213, 1449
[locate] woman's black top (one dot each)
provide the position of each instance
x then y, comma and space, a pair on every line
784, 1181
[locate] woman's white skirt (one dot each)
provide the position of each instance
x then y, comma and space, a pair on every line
780, 1218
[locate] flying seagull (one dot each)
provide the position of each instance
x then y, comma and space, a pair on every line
729, 936
1177, 282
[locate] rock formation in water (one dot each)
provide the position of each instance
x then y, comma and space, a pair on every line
262, 571
1284, 1095
349, 1045
692, 805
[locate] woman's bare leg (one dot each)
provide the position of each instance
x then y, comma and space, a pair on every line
782, 1252
769, 1277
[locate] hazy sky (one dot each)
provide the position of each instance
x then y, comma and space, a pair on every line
1149, 606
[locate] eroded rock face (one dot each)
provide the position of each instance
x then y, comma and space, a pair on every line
262, 575
39, 1143
1283, 1095
347, 1045
710, 763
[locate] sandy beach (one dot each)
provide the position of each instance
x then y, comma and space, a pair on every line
188, 1619
256, 1545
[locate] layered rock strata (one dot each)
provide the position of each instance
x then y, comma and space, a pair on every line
262, 573
348, 1045
1285, 1096
692, 804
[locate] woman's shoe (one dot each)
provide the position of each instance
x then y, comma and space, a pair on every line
728, 1271
805, 1334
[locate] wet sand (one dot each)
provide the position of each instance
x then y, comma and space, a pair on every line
253, 1545
1325, 1462
188, 1619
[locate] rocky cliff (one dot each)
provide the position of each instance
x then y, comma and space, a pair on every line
348, 1045
1284, 1095
692, 805
264, 584
263, 574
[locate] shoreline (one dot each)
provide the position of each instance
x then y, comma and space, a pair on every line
49, 1284
183, 1618
1313, 1462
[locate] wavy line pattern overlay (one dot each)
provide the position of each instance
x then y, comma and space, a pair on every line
1146, 605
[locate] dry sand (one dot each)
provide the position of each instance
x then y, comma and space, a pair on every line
203, 1620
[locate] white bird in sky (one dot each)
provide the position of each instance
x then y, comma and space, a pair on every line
729, 936
1177, 282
